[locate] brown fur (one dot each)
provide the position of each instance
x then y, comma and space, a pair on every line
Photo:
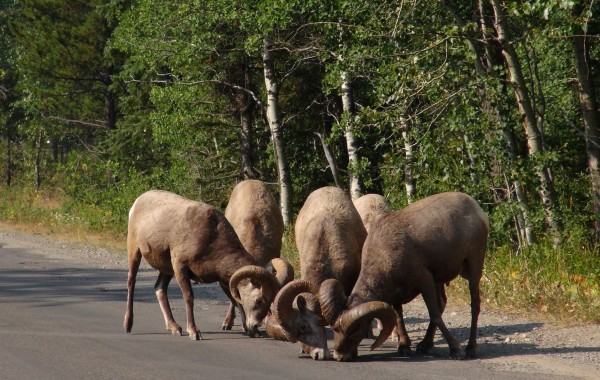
329, 236
191, 241
415, 251
371, 207
256, 218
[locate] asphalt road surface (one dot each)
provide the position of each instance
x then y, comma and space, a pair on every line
61, 318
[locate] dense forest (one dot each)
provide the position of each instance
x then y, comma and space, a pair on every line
104, 99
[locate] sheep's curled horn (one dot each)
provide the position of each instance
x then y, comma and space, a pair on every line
368, 311
252, 272
332, 300
275, 331
283, 271
282, 305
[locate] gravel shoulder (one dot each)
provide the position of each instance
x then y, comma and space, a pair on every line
532, 347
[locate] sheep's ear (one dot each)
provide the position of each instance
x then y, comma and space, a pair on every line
301, 302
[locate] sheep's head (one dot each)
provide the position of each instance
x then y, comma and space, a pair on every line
351, 326
298, 313
254, 288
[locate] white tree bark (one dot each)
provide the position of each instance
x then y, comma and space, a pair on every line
534, 135
356, 189
273, 116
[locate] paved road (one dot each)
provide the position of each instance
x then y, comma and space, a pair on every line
61, 319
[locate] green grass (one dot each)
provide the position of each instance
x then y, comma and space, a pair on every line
560, 284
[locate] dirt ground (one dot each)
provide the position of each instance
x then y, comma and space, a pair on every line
528, 345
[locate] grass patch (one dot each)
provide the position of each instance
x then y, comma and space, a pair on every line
47, 213
561, 284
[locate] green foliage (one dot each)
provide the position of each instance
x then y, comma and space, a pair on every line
103, 100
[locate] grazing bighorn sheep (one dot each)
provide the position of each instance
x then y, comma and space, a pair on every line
371, 207
256, 218
193, 241
410, 252
329, 236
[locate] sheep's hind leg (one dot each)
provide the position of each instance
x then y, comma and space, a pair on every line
474, 279
427, 342
162, 282
430, 295
135, 258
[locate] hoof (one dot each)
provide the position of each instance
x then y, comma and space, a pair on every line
470, 353
195, 336
455, 354
404, 351
423, 348
175, 330
226, 327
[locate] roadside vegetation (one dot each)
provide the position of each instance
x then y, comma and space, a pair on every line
559, 284
101, 100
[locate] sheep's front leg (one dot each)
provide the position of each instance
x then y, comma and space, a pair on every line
400, 331
160, 288
231, 312
229, 318
183, 278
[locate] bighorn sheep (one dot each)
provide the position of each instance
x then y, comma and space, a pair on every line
256, 218
329, 236
193, 241
410, 252
371, 207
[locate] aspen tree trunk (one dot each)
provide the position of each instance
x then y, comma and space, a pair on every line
38, 160
356, 189
409, 181
330, 160
532, 132
246, 107
8, 161
274, 120
591, 118
246, 118
493, 56
485, 59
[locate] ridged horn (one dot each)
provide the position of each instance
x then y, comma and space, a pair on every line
283, 270
282, 306
332, 299
275, 331
253, 272
366, 312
